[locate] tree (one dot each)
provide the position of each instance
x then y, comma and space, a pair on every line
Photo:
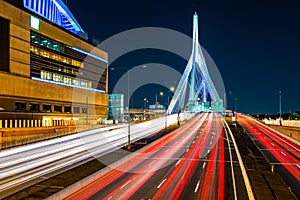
295, 116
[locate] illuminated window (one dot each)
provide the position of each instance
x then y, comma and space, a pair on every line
54, 56
37, 39
34, 23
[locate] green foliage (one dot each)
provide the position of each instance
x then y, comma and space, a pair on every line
295, 116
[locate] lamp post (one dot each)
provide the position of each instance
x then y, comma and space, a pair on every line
145, 103
280, 108
129, 118
156, 102
145, 106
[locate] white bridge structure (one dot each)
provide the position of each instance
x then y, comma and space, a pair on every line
196, 91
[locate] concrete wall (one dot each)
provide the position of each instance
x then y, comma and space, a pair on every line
290, 123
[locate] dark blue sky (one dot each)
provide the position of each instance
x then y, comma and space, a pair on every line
255, 44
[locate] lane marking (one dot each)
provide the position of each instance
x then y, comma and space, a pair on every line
150, 163
125, 184
110, 198
178, 162
161, 183
242, 166
167, 150
187, 149
272, 144
283, 153
231, 166
204, 164
197, 186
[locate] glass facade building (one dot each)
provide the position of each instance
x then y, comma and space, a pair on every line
49, 69
116, 107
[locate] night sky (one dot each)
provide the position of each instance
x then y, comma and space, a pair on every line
255, 44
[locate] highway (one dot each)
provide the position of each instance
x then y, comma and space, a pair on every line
193, 162
282, 153
27, 165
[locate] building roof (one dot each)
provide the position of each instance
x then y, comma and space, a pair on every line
55, 11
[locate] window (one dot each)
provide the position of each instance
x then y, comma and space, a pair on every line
34, 107
68, 109
84, 110
65, 79
34, 23
20, 106
57, 109
46, 75
51, 55
43, 41
76, 109
46, 108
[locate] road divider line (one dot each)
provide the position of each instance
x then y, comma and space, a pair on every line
231, 165
161, 183
125, 184
197, 186
178, 162
242, 166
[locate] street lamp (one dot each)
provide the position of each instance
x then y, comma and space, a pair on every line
156, 102
145, 103
172, 89
129, 118
280, 108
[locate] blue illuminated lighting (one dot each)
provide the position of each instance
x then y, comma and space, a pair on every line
89, 54
68, 85
55, 11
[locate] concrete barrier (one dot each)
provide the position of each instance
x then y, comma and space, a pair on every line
290, 123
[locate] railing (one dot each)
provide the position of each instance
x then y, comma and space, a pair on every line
7, 142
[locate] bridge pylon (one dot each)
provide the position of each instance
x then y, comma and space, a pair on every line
196, 91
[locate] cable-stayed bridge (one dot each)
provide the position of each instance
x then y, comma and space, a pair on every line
196, 91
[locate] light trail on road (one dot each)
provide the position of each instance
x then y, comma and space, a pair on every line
279, 150
23, 166
167, 165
